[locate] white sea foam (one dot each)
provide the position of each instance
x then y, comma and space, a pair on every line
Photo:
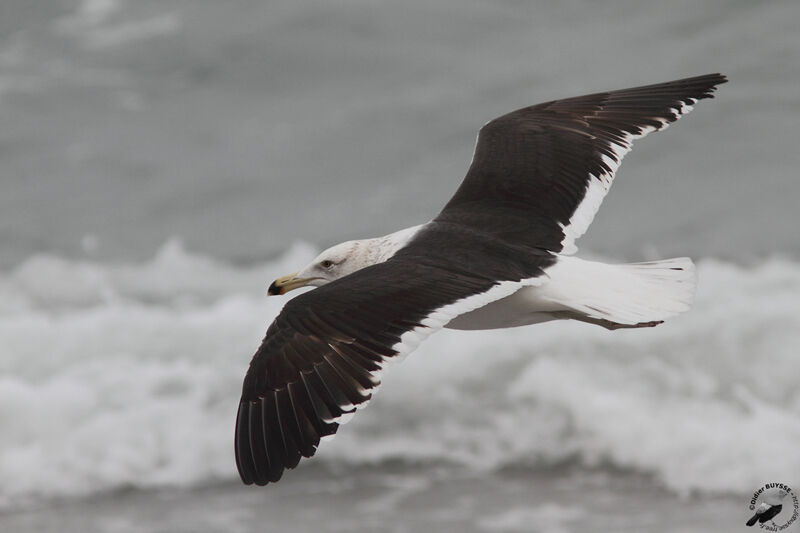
552, 517
94, 21
129, 375
131, 31
88, 14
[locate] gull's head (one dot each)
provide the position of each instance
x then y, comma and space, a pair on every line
334, 263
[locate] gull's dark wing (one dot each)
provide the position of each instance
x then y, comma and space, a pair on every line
770, 513
322, 356
547, 167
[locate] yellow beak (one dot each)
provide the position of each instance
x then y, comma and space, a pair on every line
285, 284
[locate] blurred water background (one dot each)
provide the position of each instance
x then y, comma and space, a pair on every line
162, 161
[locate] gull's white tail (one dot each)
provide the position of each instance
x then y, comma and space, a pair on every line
620, 295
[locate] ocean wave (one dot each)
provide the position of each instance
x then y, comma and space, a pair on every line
120, 375
99, 24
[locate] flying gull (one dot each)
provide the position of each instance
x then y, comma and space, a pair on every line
498, 255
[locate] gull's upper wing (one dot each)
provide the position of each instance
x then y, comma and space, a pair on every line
321, 357
548, 166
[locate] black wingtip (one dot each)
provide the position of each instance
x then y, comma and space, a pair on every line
242, 451
697, 87
710, 83
714, 80
717, 77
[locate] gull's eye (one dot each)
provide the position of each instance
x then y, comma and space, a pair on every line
326, 264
